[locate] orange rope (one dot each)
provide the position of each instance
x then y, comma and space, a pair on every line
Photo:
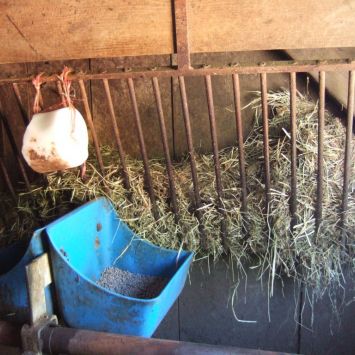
38, 97
66, 85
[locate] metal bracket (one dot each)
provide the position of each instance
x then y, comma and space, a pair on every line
31, 335
38, 276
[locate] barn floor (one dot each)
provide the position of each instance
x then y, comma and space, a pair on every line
203, 314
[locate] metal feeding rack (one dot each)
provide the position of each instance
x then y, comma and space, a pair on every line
182, 71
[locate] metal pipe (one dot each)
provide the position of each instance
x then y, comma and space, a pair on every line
121, 153
142, 147
190, 145
348, 149
90, 123
320, 165
23, 111
239, 128
272, 67
265, 114
293, 125
169, 166
62, 340
15, 151
217, 165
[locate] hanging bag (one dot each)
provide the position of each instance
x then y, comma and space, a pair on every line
55, 139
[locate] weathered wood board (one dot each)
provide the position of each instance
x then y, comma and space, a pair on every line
39, 30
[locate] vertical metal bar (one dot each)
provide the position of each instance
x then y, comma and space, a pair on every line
348, 148
23, 111
142, 147
266, 152
7, 179
217, 165
239, 127
293, 125
181, 31
121, 153
169, 166
188, 131
91, 126
15, 151
320, 165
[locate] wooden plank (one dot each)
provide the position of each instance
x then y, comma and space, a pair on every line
111, 28
83, 29
229, 25
337, 82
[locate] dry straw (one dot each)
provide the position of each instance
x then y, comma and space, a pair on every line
316, 260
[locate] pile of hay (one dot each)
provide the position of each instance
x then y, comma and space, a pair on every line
316, 260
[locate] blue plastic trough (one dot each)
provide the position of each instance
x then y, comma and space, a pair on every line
92, 238
14, 303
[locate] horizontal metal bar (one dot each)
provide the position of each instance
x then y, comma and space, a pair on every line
267, 67
59, 340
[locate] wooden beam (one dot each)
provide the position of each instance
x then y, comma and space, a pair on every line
41, 30
230, 25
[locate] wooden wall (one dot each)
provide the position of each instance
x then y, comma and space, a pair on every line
37, 30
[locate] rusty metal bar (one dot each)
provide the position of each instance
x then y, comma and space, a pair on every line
348, 149
15, 151
265, 114
239, 128
62, 340
188, 132
271, 67
23, 111
7, 179
217, 165
181, 32
320, 165
142, 147
90, 123
121, 153
169, 166
293, 125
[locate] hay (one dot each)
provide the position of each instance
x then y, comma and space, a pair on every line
316, 260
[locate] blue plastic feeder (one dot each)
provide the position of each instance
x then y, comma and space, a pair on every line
14, 302
92, 238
